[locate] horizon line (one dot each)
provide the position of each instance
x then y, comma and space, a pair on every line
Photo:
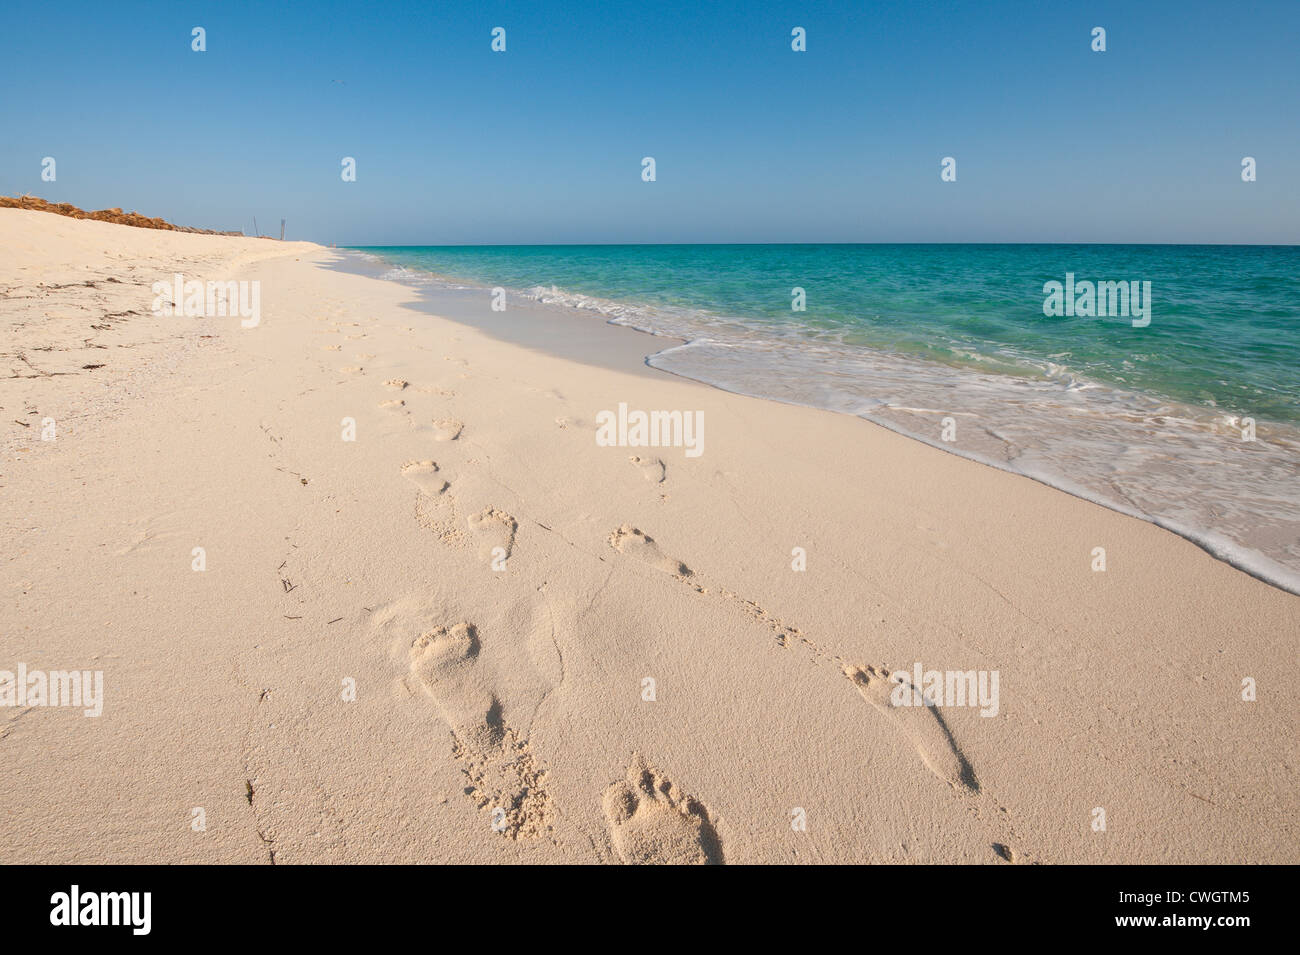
547, 245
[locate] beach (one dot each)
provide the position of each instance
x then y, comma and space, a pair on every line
367, 583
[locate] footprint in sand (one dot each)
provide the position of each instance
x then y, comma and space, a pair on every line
395, 383
629, 540
442, 660
651, 821
435, 390
923, 725
652, 469
424, 475
447, 429
393, 404
504, 778
352, 370
330, 347
493, 529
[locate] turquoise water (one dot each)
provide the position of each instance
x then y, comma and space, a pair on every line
1223, 333
1190, 421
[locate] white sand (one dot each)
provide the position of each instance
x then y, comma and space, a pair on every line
521, 690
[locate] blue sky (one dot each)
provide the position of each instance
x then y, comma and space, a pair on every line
753, 142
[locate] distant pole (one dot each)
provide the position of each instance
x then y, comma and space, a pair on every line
281, 230
256, 231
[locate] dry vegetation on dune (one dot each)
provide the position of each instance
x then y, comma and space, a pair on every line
103, 215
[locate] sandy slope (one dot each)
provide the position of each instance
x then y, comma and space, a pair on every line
499, 714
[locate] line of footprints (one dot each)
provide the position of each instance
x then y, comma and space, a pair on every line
650, 819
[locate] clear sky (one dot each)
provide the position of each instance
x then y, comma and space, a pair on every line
456, 144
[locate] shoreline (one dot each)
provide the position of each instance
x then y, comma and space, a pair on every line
464, 302
365, 567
